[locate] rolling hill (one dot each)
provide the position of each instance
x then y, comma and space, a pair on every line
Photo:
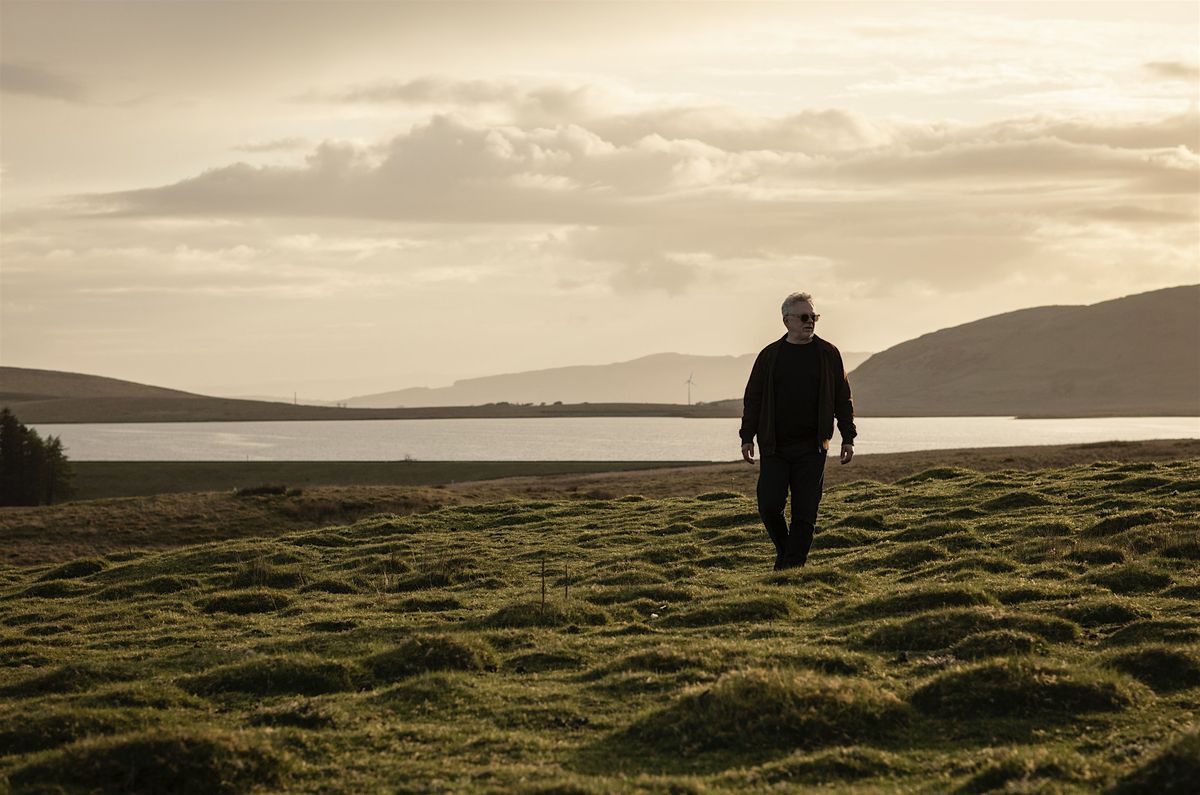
660, 378
1132, 356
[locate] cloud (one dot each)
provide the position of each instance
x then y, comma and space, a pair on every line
33, 80
678, 199
276, 145
1173, 70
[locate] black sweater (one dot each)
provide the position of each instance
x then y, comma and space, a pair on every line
833, 398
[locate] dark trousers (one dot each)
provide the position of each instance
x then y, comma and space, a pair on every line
802, 470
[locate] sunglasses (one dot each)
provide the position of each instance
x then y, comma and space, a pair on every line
805, 317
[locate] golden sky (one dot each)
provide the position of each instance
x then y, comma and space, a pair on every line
337, 197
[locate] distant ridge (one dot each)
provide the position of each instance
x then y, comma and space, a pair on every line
1132, 356
658, 378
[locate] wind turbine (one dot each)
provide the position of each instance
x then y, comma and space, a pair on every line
690, 383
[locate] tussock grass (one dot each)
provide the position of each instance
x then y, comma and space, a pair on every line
756, 709
245, 602
914, 599
424, 653
1028, 688
1173, 771
997, 643
81, 567
552, 614
948, 634
185, 761
37, 729
270, 676
1101, 611
1164, 668
845, 764
736, 610
941, 629
1034, 770
1130, 578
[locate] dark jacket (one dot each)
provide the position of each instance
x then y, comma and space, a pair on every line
833, 398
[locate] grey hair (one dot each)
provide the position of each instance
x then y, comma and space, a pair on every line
795, 298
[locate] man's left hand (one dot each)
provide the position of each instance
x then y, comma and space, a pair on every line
847, 453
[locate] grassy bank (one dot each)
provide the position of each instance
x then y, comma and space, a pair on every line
120, 524
99, 479
957, 630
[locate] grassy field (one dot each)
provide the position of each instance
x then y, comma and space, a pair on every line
100, 479
956, 630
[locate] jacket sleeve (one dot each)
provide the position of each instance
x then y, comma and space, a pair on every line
753, 399
843, 403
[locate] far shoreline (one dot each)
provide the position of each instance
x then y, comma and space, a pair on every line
101, 479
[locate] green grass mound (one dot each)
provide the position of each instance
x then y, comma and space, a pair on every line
245, 603
908, 556
552, 614
1157, 630
1101, 611
432, 692
82, 567
1028, 688
943, 628
1188, 549
656, 593
850, 763
1029, 770
659, 660
299, 714
727, 520
332, 585
843, 539
1014, 501
432, 604
1119, 523
930, 531
936, 473
1173, 771
716, 496
423, 653
1098, 555
187, 762
273, 676
917, 599
538, 661
997, 643
1164, 668
55, 589
1130, 578
864, 521
768, 709
74, 677
738, 610
24, 731
260, 573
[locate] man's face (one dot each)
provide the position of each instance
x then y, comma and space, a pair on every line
801, 321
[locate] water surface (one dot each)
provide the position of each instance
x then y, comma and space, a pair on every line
562, 438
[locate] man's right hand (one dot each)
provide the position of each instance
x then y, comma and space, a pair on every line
748, 452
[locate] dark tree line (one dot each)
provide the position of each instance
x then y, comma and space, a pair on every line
32, 471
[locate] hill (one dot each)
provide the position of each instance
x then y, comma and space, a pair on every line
660, 378
1132, 356
45, 396
955, 631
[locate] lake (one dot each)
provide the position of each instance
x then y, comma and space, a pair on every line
561, 438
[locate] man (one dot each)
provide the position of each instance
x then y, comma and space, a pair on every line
797, 387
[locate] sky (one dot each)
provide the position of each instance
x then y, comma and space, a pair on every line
337, 198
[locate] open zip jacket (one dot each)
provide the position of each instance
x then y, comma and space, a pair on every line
833, 398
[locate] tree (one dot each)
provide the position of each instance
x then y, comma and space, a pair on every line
32, 471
